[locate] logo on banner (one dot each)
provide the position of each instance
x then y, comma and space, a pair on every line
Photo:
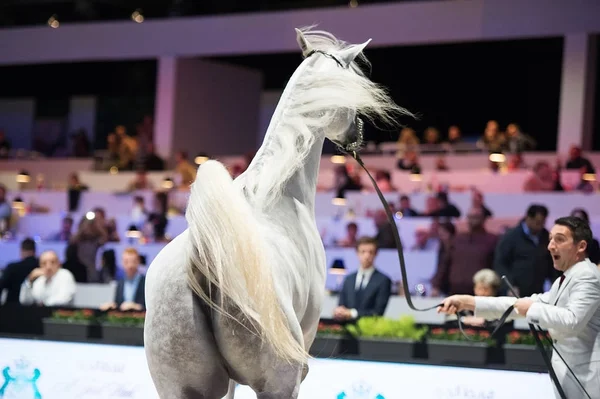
360, 390
20, 381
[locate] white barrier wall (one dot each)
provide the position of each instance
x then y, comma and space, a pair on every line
95, 371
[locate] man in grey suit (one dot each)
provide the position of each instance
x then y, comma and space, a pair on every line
570, 311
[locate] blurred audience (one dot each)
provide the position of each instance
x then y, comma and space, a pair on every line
522, 255
185, 170
14, 274
4, 145
130, 292
74, 265
49, 284
593, 247
65, 232
471, 251
5, 210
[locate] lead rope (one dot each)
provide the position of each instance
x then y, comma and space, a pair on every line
350, 151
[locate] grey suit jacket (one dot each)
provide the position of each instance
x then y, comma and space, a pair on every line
571, 315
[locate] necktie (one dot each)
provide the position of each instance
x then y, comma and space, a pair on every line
562, 278
359, 291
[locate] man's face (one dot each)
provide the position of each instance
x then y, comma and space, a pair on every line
49, 263
536, 223
482, 289
404, 203
565, 252
475, 218
366, 254
131, 263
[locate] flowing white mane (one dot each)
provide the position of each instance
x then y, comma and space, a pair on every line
309, 108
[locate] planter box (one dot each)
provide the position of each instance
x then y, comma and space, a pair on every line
457, 353
125, 335
524, 357
386, 349
326, 346
67, 331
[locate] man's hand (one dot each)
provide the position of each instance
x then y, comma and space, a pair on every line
522, 306
35, 273
342, 313
456, 303
125, 306
108, 306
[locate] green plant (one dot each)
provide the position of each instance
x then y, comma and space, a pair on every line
330, 329
73, 316
454, 334
382, 327
131, 319
526, 338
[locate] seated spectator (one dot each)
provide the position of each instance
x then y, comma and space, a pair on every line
140, 182
423, 242
152, 161
405, 207
367, 291
385, 231
124, 147
344, 181
15, 273
109, 226
74, 265
185, 169
444, 207
517, 141
108, 267
89, 237
157, 220
4, 145
349, 241
384, 181
5, 210
493, 140
486, 283
577, 161
139, 214
543, 179
432, 136
49, 284
407, 141
440, 164
516, 162
130, 292
593, 247
65, 231
409, 162
454, 135
477, 202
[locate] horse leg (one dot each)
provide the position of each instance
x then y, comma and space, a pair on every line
182, 355
252, 362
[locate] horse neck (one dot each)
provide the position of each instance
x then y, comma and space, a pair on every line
302, 186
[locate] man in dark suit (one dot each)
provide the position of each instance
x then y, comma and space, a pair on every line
522, 254
130, 292
367, 291
15, 273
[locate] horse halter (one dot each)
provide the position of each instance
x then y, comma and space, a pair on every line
358, 122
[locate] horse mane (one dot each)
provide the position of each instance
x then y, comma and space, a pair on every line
308, 108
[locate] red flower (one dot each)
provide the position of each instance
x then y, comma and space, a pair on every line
437, 331
484, 334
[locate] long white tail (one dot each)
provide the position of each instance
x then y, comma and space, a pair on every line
230, 254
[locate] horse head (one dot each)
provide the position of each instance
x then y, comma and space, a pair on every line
335, 67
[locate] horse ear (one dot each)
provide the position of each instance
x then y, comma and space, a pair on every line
348, 55
303, 43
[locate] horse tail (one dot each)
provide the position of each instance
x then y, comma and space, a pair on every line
228, 254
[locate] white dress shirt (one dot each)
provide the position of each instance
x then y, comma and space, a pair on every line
59, 290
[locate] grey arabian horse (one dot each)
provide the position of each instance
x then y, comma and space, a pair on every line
237, 297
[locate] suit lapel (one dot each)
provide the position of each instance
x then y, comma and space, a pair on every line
563, 287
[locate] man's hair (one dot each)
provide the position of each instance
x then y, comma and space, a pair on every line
366, 240
28, 245
404, 197
537, 209
487, 277
131, 251
580, 229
